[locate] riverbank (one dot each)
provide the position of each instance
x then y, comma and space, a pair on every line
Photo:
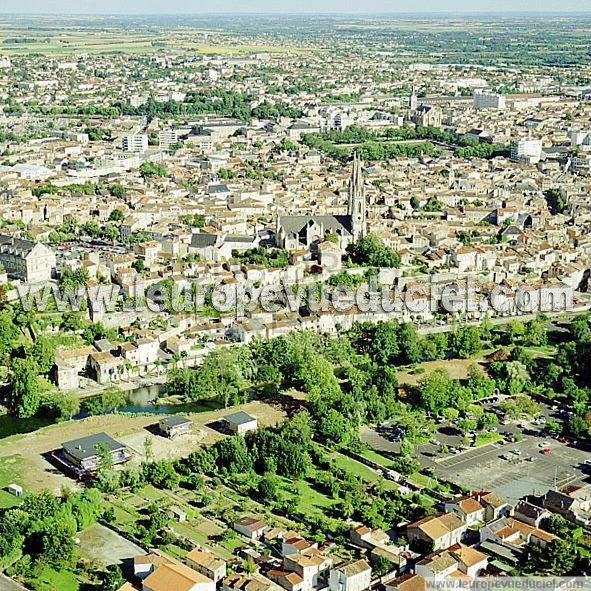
92, 388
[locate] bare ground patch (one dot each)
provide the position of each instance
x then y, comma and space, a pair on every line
456, 368
39, 474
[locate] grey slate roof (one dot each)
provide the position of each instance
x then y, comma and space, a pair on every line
86, 447
203, 240
239, 418
17, 245
293, 224
175, 421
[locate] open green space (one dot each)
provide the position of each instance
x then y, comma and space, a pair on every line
10, 472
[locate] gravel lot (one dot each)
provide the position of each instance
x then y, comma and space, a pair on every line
98, 542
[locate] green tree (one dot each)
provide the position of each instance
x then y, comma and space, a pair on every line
434, 391
557, 559
371, 251
26, 395
466, 341
113, 578
268, 487
116, 216
113, 398
43, 352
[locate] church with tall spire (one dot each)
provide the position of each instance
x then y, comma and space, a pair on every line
356, 207
297, 232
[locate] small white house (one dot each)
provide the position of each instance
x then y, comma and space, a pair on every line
355, 576
241, 423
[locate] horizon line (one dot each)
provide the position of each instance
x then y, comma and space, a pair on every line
524, 12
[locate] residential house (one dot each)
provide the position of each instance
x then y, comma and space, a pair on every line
250, 527
369, 538
354, 576
286, 579
573, 503
471, 562
494, 505
31, 262
406, 582
514, 534
84, 454
296, 545
311, 565
242, 582
207, 564
441, 530
241, 423
177, 577
466, 508
530, 513
458, 560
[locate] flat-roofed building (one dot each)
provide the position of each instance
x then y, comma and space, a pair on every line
241, 423
84, 455
175, 426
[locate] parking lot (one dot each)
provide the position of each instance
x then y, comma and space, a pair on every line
525, 471
484, 469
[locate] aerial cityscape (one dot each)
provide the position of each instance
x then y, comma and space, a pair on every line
294, 301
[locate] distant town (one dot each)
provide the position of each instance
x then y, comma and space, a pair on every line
294, 302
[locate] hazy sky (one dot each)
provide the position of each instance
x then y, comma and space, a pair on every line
282, 6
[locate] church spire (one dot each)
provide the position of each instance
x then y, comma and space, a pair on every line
356, 203
413, 100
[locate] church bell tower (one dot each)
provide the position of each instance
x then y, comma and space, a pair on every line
357, 205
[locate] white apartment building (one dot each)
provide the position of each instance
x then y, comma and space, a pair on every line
489, 100
581, 139
167, 138
528, 151
134, 142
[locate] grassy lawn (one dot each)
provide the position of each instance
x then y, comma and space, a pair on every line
14, 426
350, 465
307, 497
10, 472
364, 472
486, 438
124, 516
152, 494
542, 352
377, 457
49, 579
421, 480
192, 532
